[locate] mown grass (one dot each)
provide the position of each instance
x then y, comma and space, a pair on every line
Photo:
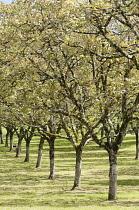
24, 187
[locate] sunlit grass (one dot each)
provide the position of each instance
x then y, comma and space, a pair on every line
22, 186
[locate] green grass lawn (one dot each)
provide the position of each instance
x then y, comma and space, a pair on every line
23, 187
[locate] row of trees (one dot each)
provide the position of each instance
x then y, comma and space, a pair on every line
71, 70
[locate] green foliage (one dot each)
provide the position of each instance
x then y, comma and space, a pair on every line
70, 52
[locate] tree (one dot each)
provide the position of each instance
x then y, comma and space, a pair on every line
78, 137
49, 131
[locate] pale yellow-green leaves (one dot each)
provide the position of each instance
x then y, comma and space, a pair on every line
70, 52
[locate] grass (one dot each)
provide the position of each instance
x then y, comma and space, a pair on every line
24, 187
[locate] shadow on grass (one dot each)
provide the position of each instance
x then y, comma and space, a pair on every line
65, 203
129, 182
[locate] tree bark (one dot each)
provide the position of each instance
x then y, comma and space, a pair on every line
78, 167
112, 195
38, 164
1, 137
137, 145
11, 139
27, 151
7, 136
51, 142
28, 134
20, 135
18, 149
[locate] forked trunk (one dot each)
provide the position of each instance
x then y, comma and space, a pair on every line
38, 164
27, 151
112, 195
78, 167
137, 146
51, 142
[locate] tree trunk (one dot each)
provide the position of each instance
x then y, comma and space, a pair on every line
51, 142
20, 135
18, 149
78, 167
11, 140
38, 164
28, 134
27, 151
137, 145
1, 138
112, 195
7, 136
